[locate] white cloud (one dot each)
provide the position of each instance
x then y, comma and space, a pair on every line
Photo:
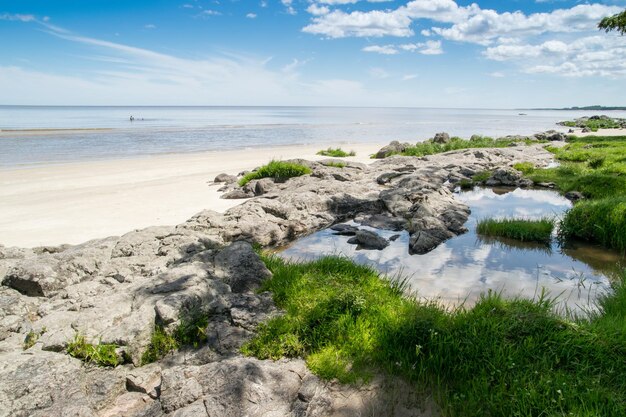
496, 74
18, 17
587, 56
378, 73
251, 16
408, 77
150, 26
384, 50
317, 10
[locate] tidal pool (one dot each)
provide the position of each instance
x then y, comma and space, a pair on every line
462, 268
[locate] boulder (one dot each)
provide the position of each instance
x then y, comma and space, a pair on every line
344, 229
225, 178
393, 148
240, 267
441, 138
237, 194
574, 196
263, 186
369, 240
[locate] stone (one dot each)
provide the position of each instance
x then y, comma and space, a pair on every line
225, 178
237, 194
393, 148
384, 222
441, 138
146, 380
263, 186
240, 267
574, 196
369, 240
344, 229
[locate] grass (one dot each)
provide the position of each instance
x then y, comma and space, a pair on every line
336, 153
524, 167
279, 170
539, 231
481, 177
499, 358
191, 331
456, 143
593, 124
31, 338
602, 221
100, 354
335, 164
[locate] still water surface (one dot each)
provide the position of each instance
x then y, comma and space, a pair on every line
462, 268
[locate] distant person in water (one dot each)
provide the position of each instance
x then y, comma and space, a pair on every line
132, 118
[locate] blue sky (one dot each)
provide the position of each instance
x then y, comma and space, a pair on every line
423, 53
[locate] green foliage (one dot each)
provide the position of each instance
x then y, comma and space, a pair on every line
466, 184
100, 354
616, 22
191, 331
279, 170
455, 143
520, 229
481, 176
161, 343
602, 221
524, 167
595, 123
336, 153
335, 164
499, 358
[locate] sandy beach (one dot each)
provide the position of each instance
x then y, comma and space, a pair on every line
75, 202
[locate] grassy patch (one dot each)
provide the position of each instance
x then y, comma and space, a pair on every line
524, 167
336, 153
602, 221
499, 358
191, 331
335, 164
100, 354
456, 143
520, 229
594, 124
279, 170
481, 177
466, 184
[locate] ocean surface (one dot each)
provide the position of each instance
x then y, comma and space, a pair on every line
30, 135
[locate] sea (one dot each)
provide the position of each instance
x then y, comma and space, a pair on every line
36, 135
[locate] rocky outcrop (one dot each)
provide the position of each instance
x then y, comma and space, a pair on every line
116, 290
507, 177
369, 240
441, 138
393, 148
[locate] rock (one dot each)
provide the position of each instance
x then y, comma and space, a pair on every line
476, 138
586, 130
344, 229
546, 184
225, 178
369, 240
441, 138
146, 380
393, 148
387, 177
394, 238
383, 221
574, 196
35, 279
507, 177
237, 194
240, 267
263, 186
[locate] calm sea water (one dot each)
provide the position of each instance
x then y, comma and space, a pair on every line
158, 130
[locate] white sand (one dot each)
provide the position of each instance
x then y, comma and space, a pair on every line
600, 132
73, 203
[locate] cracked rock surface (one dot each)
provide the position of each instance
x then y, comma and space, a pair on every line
115, 290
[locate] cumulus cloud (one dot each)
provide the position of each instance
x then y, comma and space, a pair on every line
425, 48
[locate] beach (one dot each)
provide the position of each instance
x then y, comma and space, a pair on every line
74, 202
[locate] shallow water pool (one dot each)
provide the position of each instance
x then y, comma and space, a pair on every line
462, 268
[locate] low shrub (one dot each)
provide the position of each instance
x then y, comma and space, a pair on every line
100, 354
336, 153
279, 170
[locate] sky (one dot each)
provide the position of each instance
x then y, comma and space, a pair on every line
420, 53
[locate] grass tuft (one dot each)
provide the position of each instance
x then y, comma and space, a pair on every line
456, 143
191, 331
336, 153
500, 358
602, 221
539, 231
524, 167
279, 170
335, 164
100, 354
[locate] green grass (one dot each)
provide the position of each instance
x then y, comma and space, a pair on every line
466, 184
100, 354
593, 125
191, 331
335, 164
336, 153
481, 177
539, 231
499, 358
524, 167
456, 143
31, 338
279, 170
602, 221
